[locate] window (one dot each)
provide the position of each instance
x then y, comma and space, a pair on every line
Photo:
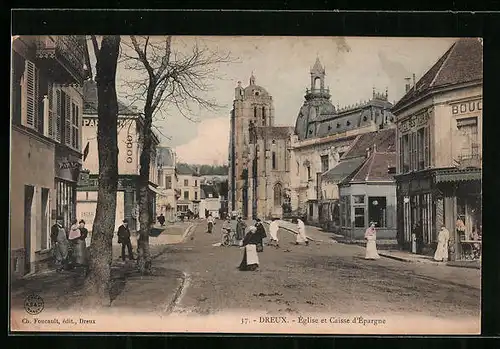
195, 183
182, 208
358, 202
324, 163
311, 210
278, 195
427, 151
377, 210
67, 119
30, 96
65, 200
75, 116
186, 182
273, 160
168, 182
308, 173
186, 195
468, 132
160, 179
263, 116
420, 149
345, 211
196, 195
405, 154
255, 112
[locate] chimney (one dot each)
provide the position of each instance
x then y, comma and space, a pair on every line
407, 85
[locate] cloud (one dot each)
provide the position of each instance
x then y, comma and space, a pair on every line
210, 146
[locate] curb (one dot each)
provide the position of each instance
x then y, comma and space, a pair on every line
188, 232
402, 259
172, 304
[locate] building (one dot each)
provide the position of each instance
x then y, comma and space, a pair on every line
368, 194
439, 133
130, 128
166, 202
47, 77
188, 187
210, 200
323, 133
252, 104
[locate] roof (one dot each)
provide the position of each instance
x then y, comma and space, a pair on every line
342, 170
206, 190
462, 63
185, 169
374, 169
384, 141
90, 101
165, 156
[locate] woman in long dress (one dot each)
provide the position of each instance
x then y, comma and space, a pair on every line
301, 236
371, 242
80, 245
441, 254
250, 259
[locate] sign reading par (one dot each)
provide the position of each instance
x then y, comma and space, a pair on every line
92, 122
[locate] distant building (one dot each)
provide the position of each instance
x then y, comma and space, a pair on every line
439, 145
210, 200
47, 74
188, 188
166, 202
130, 124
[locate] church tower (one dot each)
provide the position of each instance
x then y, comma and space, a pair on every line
251, 105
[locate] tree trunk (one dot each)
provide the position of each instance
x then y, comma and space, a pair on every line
97, 283
145, 214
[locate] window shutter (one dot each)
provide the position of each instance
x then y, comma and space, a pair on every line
50, 97
426, 147
31, 83
59, 111
67, 120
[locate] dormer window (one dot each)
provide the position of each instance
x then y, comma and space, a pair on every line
338, 125
348, 123
256, 93
329, 127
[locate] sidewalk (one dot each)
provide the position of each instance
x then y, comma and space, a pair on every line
128, 288
415, 258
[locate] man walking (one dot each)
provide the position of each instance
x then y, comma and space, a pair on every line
124, 239
60, 244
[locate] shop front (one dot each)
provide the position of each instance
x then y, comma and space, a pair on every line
67, 171
437, 197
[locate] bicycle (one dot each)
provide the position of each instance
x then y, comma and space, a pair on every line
228, 237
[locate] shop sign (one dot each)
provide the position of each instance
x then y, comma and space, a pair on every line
467, 107
68, 168
93, 122
414, 121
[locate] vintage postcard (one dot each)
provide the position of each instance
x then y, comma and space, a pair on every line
293, 185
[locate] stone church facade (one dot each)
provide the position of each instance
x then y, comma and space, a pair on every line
275, 170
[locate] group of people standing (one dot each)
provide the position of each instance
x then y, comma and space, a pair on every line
69, 245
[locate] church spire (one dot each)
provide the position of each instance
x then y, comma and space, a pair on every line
252, 79
318, 68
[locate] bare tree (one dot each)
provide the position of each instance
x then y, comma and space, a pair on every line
97, 282
168, 80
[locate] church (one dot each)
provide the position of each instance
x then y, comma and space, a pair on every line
275, 171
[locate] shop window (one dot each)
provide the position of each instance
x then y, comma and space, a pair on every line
186, 195
358, 202
359, 217
377, 210
324, 163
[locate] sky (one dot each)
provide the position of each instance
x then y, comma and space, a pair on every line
354, 66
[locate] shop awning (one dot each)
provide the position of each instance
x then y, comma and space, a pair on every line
153, 189
456, 175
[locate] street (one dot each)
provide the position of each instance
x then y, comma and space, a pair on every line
322, 277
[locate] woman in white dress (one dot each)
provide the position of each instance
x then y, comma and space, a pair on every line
371, 242
441, 254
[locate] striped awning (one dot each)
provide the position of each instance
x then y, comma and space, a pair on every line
458, 175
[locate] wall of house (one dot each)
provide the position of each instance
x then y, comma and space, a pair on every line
33, 166
191, 187
168, 198
86, 208
385, 190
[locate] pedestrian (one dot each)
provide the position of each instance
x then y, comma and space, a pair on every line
60, 244
210, 223
73, 237
273, 231
301, 232
371, 242
124, 240
250, 259
441, 254
80, 246
240, 229
419, 237
261, 234
161, 219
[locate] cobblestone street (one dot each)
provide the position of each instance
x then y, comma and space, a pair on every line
323, 276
